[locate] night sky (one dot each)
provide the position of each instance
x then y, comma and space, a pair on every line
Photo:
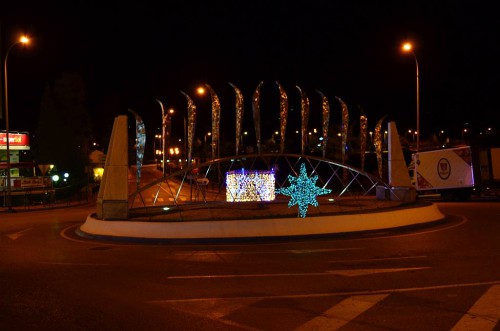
131, 54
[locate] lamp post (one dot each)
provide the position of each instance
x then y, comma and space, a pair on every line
22, 40
156, 150
208, 134
408, 48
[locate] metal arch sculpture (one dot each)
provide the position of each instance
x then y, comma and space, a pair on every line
330, 176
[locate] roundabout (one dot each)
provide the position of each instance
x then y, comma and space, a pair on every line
245, 197
251, 221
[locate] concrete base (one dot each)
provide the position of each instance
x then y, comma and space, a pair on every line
406, 194
112, 199
261, 228
403, 193
112, 209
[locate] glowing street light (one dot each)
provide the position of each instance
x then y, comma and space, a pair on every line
23, 40
464, 131
208, 134
408, 48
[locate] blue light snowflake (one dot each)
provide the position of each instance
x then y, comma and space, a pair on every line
303, 191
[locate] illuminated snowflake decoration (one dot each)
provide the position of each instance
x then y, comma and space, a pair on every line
303, 191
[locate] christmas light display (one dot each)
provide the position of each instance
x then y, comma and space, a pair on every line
256, 114
239, 115
244, 185
326, 119
303, 191
191, 126
363, 129
283, 115
378, 144
140, 131
215, 121
304, 115
345, 127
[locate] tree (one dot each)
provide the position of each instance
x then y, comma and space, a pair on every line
63, 132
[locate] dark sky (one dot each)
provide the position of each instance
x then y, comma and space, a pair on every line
130, 54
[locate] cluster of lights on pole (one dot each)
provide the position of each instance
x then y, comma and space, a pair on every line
174, 150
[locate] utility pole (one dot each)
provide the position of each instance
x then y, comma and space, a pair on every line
1, 75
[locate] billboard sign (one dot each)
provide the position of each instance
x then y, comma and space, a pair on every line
17, 141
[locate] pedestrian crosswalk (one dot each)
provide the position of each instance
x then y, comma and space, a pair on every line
476, 307
484, 314
343, 312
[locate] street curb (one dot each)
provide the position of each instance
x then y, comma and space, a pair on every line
260, 228
18, 209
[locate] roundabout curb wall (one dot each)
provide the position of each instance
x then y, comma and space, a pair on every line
261, 228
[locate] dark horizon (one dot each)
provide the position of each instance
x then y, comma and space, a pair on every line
129, 55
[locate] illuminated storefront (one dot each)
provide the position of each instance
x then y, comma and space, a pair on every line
21, 164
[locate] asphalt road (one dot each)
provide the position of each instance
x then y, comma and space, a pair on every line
437, 277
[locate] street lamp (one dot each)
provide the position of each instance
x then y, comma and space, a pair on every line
408, 48
23, 40
157, 152
208, 134
200, 90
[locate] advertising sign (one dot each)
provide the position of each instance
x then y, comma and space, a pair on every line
17, 141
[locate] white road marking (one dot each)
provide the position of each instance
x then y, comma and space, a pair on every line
332, 294
304, 251
364, 272
380, 259
252, 275
75, 264
342, 313
16, 235
308, 251
346, 273
215, 310
484, 314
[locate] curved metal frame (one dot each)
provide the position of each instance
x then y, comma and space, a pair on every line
330, 174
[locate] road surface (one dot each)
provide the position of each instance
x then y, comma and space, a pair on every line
437, 277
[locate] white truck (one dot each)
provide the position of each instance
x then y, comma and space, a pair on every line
448, 172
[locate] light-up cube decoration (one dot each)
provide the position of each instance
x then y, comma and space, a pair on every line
245, 185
